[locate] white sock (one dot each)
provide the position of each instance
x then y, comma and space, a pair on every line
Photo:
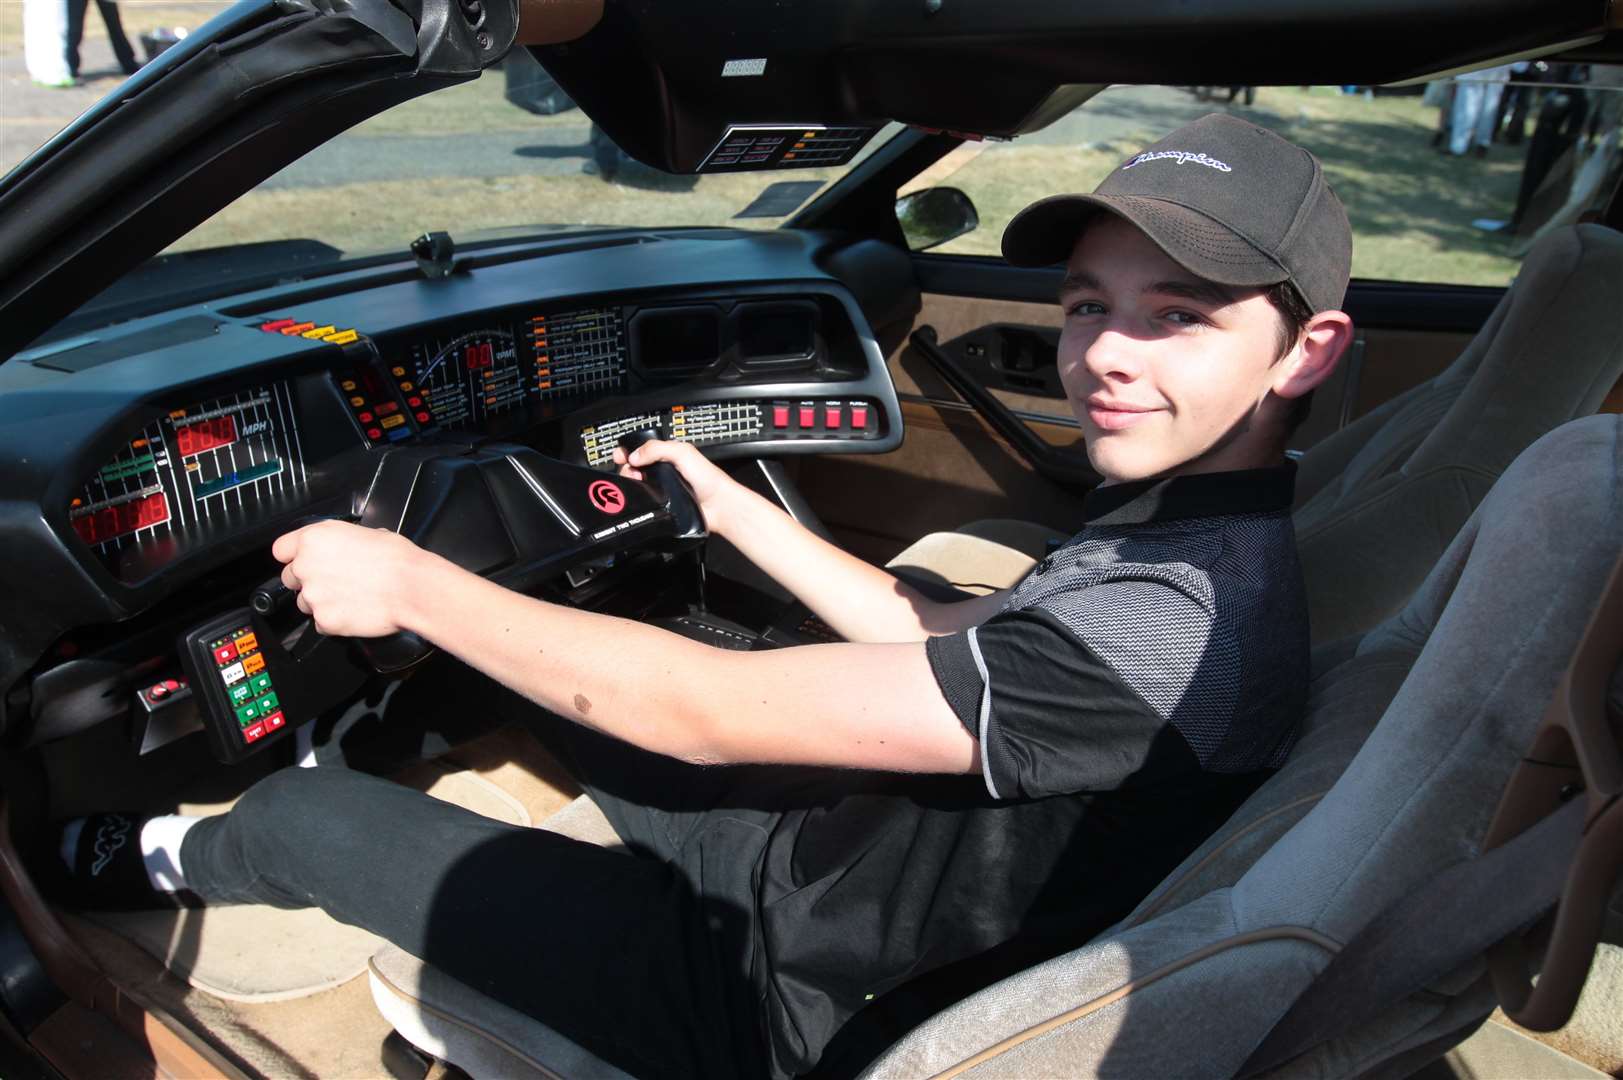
160, 850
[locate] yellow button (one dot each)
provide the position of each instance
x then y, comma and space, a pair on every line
253, 665
342, 337
348, 384
397, 372
394, 421
357, 401
318, 332
408, 387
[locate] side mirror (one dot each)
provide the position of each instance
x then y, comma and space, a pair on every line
935, 215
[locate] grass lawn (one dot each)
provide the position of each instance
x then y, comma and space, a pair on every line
1410, 206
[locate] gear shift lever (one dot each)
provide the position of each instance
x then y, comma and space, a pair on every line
665, 476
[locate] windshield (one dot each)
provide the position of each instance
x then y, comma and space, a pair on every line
506, 155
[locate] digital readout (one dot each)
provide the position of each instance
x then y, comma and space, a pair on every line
99, 524
206, 435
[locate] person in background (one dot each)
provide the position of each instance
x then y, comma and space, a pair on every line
115, 34
45, 37
1476, 109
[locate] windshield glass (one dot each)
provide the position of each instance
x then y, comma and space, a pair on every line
507, 152
504, 156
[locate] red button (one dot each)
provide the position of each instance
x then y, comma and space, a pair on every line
808, 416
275, 720
422, 418
374, 433
157, 693
253, 732
780, 416
859, 416
387, 407
171, 684
225, 654
415, 402
831, 416
365, 418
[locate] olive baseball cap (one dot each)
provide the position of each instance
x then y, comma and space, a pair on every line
1227, 200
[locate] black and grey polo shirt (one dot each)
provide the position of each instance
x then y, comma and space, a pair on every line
1168, 636
1133, 690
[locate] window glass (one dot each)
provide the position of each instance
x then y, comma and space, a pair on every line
1450, 182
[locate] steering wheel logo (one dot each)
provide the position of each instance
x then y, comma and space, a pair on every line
607, 496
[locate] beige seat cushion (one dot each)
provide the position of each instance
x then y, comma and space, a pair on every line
982, 557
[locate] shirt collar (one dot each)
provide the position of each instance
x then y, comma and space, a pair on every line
1240, 491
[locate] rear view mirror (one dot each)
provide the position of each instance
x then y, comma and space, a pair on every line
935, 215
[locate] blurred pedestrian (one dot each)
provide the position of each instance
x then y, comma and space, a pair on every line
45, 42
1476, 109
115, 34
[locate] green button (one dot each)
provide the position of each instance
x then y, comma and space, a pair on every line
260, 683
267, 704
248, 713
240, 693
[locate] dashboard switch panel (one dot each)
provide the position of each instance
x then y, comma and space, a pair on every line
230, 671
735, 421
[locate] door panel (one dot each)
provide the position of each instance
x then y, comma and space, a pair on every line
953, 468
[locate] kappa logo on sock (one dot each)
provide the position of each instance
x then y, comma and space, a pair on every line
110, 836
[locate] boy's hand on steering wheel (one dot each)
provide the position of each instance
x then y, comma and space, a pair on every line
350, 580
712, 488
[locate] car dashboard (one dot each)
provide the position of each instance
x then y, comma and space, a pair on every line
164, 454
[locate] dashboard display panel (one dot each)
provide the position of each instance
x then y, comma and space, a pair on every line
468, 379
578, 352
203, 461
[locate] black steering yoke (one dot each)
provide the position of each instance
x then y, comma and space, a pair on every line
505, 512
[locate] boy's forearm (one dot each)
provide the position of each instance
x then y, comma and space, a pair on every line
854, 706
633, 681
860, 601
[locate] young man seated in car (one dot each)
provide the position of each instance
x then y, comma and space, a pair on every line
959, 790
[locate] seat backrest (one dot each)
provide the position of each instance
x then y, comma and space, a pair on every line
1378, 501
1191, 984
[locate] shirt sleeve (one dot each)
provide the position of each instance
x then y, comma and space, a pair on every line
1080, 694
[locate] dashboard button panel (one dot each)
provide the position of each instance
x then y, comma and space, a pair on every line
736, 421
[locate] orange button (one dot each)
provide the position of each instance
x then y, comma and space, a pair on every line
393, 421
247, 643
253, 665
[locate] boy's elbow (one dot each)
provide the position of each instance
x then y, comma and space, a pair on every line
704, 739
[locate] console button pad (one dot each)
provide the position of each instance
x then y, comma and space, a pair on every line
240, 667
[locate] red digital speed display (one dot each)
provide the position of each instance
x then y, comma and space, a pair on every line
206, 435
109, 522
480, 355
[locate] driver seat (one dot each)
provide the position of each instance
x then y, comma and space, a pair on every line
1412, 734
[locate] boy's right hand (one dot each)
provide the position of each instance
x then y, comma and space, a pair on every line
712, 488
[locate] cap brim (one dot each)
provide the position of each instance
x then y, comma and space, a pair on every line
1045, 232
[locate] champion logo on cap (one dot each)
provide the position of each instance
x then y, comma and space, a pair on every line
1181, 157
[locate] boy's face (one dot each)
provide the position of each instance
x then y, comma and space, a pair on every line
1167, 372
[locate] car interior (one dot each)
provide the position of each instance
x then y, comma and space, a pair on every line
1429, 887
